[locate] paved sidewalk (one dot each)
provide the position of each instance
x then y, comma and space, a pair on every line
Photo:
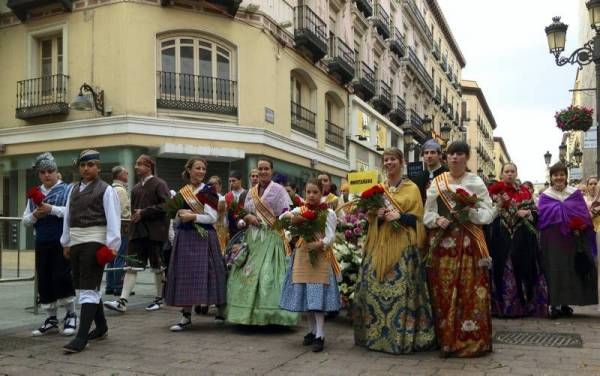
140, 343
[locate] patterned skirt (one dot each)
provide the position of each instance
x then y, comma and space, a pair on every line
304, 297
196, 270
254, 288
394, 315
460, 294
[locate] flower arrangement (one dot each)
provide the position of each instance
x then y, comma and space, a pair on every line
511, 200
35, 195
312, 224
353, 226
374, 199
574, 118
350, 258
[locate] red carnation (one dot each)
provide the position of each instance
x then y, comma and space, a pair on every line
374, 190
309, 214
323, 206
35, 195
577, 224
461, 192
104, 255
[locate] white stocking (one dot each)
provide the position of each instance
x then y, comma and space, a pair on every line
128, 284
310, 319
320, 323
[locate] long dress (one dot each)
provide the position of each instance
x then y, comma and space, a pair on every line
561, 259
594, 202
196, 269
392, 310
254, 287
459, 277
518, 284
313, 286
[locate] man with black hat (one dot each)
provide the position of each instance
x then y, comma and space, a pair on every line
92, 221
45, 213
432, 156
148, 232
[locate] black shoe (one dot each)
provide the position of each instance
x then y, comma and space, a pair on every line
201, 310
566, 311
318, 344
108, 291
75, 346
309, 339
554, 313
97, 334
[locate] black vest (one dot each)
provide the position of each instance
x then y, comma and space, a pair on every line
86, 208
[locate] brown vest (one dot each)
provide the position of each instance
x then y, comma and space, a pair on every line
86, 208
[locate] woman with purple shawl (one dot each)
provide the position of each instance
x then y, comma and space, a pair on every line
568, 254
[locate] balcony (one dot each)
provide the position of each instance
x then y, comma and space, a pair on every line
456, 120
334, 135
231, 6
309, 33
417, 16
420, 71
397, 44
381, 21
341, 62
42, 96
444, 63
449, 72
398, 113
416, 123
303, 120
189, 92
438, 95
446, 106
365, 6
382, 101
364, 82
21, 8
435, 51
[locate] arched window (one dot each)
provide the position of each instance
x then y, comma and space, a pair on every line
196, 69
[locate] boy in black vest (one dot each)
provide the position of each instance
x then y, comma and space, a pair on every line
92, 219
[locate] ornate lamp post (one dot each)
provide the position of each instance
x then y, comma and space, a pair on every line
590, 52
547, 158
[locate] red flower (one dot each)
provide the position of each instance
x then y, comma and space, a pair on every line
577, 224
461, 192
104, 255
374, 190
311, 215
35, 195
297, 200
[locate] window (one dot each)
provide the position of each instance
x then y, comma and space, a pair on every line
51, 62
195, 68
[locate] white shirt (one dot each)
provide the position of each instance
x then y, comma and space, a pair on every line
330, 225
209, 216
59, 211
110, 235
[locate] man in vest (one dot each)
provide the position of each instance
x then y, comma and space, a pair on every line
148, 232
45, 213
114, 279
92, 220
432, 156
234, 199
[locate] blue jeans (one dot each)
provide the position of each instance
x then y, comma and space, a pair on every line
114, 279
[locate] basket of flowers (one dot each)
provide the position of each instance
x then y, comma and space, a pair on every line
574, 118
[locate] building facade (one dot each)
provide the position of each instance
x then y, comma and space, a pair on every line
501, 157
480, 124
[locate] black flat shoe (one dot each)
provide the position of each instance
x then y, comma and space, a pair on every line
309, 339
566, 311
75, 346
96, 335
318, 344
554, 313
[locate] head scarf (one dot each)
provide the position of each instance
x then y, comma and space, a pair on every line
44, 162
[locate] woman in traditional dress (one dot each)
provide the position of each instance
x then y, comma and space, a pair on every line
392, 309
518, 285
311, 287
568, 245
592, 200
196, 269
254, 286
459, 277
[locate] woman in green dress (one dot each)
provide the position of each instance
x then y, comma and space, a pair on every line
255, 284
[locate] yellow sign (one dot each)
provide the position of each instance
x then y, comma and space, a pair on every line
361, 181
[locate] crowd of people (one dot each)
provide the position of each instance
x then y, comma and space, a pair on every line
443, 251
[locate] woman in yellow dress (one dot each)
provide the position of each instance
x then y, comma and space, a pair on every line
392, 310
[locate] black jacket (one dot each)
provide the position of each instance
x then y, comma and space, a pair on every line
423, 181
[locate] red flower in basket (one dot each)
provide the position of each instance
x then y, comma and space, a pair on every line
577, 224
35, 195
308, 214
104, 255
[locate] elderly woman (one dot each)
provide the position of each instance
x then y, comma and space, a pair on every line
459, 277
568, 245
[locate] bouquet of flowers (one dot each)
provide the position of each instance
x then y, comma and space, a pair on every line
574, 118
374, 199
350, 257
353, 226
296, 201
35, 195
177, 203
584, 265
312, 225
512, 201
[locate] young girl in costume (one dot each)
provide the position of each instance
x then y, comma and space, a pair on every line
310, 284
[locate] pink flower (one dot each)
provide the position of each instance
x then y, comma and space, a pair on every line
357, 231
348, 234
353, 218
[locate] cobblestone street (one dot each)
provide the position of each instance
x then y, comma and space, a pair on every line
140, 343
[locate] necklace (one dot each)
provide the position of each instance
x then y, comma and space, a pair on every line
394, 187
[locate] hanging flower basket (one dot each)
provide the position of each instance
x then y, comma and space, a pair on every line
574, 118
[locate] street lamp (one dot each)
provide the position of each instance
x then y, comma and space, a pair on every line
445, 131
562, 152
547, 158
590, 52
578, 155
408, 135
83, 103
427, 125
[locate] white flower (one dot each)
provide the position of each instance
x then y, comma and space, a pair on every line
448, 243
466, 241
469, 326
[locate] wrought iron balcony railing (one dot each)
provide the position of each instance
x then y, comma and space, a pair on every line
189, 92
334, 135
438, 95
42, 96
420, 70
310, 33
416, 123
397, 44
303, 120
398, 113
381, 20
364, 82
420, 20
382, 101
436, 50
365, 6
341, 62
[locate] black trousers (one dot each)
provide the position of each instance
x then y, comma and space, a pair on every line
53, 272
87, 273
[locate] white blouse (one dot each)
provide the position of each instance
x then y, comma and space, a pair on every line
330, 225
